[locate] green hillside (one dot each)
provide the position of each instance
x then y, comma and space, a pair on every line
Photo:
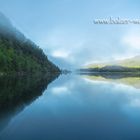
130, 63
20, 55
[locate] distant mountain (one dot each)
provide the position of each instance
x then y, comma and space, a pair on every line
133, 62
126, 65
125, 71
19, 54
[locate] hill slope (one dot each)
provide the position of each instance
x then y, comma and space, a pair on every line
20, 55
127, 65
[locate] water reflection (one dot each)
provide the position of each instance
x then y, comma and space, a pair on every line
74, 108
18, 92
130, 79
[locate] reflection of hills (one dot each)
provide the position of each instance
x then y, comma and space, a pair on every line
131, 79
110, 75
18, 92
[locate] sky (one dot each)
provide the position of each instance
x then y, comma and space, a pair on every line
65, 30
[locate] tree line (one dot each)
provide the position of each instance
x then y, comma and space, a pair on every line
22, 57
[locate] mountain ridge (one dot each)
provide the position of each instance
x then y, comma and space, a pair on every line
133, 62
19, 54
131, 65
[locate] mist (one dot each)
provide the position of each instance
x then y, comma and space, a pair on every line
69, 37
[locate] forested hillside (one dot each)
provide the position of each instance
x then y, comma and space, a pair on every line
20, 55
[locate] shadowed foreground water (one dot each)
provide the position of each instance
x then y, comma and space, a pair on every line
71, 108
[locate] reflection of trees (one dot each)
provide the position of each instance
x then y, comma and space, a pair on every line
113, 75
129, 79
18, 92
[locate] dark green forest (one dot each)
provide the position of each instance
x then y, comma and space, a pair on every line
23, 57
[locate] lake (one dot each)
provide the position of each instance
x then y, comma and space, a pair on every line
69, 107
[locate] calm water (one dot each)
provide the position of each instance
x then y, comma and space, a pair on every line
71, 107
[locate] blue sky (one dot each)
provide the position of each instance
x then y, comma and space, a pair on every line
64, 29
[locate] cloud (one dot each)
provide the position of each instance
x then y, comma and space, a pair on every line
64, 43
132, 40
60, 90
75, 48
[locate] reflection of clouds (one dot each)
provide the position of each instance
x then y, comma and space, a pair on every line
96, 104
95, 81
60, 90
121, 82
80, 92
111, 83
135, 102
130, 94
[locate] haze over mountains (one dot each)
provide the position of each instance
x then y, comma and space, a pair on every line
19, 54
125, 72
133, 62
7, 29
